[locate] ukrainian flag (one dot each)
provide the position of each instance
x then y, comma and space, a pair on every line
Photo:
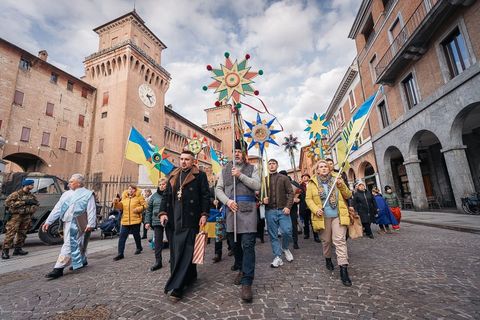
356, 124
139, 151
216, 167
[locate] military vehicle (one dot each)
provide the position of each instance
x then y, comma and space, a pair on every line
47, 188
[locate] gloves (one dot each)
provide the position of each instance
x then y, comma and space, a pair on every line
138, 210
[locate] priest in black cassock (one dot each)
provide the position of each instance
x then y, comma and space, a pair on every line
188, 195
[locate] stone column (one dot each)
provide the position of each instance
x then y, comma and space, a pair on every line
459, 172
415, 183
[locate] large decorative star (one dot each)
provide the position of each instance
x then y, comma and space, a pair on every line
232, 81
260, 133
315, 150
317, 127
158, 157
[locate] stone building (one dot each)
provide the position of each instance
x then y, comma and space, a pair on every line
56, 123
425, 128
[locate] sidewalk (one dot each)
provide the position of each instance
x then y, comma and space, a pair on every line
452, 221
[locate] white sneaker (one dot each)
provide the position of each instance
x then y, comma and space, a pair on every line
277, 262
288, 255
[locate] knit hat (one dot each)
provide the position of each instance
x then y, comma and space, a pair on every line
27, 182
359, 182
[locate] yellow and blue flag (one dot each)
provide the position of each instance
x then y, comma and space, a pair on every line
356, 124
139, 151
216, 167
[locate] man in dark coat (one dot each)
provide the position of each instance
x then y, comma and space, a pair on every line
365, 206
188, 195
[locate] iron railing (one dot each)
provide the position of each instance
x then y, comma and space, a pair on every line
404, 35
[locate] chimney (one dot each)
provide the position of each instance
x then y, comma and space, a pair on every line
43, 55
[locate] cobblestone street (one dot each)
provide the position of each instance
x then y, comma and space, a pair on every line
419, 273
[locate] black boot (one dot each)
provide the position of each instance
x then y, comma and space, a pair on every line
344, 276
315, 237
156, 266
329, 264
217, 258
295, 246
19, 252
5, 254
56, 273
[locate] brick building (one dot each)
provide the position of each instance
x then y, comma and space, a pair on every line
424, 131
56, 123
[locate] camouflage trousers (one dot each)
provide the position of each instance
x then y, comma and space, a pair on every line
18, 225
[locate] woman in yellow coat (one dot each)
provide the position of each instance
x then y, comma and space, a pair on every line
332, 220
132, 205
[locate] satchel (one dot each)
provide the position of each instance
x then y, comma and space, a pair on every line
355, 230
199, 247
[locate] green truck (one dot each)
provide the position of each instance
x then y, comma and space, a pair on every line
47, 188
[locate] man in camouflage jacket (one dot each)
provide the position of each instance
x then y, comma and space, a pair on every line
22, 205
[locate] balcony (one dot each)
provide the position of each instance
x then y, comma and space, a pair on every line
412, 41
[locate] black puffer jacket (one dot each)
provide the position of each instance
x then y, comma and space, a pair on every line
365, 206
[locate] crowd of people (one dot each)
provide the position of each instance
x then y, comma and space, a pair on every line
180, 206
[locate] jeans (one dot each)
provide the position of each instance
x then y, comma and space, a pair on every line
124, 232
294, 217
275, 219
244, 250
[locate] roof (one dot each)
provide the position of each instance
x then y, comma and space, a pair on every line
347, 80
138, 18
190, 123
36, 59
359, 18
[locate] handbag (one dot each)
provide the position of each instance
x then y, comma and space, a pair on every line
199, 247
355, 229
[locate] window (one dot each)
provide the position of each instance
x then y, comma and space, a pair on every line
371, 65
167, 122
18, 98
44, 185
104, 115
351, 99
105, 99
341, 115
54, 78
49, 110
78, 147
84, 92
456, 53
368, 31
100, 145
24, 64
63, 143
410, 91
382, 108
70, 85
46, 139
146, 119
25, 134
81, 120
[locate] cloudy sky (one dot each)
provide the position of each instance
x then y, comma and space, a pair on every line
302, 46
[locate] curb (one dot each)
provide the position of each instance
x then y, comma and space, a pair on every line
443, 226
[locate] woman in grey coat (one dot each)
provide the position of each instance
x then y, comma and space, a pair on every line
153, 221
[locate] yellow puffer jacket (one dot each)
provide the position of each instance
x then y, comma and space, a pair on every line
314, 203
132, 208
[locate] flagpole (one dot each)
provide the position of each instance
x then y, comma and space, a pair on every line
123, 160
234, 180
351, 146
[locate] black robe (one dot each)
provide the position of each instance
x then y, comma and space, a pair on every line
183, 218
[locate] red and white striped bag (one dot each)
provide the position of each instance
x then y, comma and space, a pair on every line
199, 247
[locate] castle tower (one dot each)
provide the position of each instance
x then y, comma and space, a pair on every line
131, 86
219, 123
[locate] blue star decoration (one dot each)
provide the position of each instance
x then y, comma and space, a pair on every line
317, 127
260, 133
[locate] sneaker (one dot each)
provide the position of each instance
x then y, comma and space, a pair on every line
288, 255
277, 262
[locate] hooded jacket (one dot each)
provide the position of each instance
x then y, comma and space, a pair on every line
132, 208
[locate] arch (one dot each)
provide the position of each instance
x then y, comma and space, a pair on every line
465, 121
157, 80
102, 67
137, 64
27, 161
98, 70
421, 139
119, 62
351, 175
142, 69
395, 174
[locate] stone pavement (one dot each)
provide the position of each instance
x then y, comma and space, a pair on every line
446, 220
418, 273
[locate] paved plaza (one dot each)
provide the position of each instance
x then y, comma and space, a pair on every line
419, 273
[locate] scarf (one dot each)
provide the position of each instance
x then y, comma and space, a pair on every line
323, 193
